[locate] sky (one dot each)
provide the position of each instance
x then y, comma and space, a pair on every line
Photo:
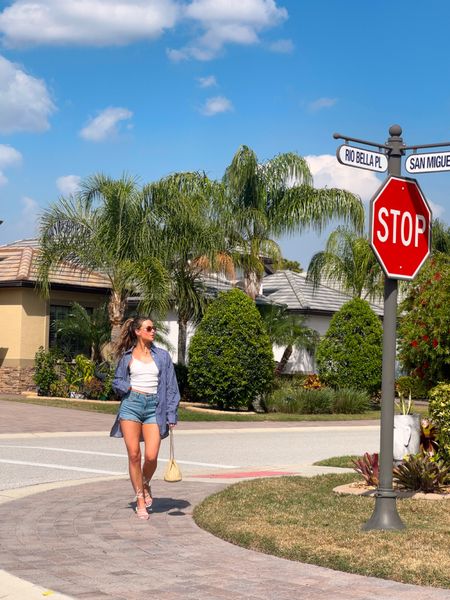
152, 87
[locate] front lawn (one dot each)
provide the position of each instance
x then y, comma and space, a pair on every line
302, 519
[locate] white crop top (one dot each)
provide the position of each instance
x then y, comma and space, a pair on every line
144, 376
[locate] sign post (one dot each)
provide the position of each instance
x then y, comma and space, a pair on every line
400, 238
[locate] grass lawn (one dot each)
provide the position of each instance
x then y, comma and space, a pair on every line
338, 461
301, 519
189, 415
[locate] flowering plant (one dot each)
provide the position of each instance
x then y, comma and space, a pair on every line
424, 327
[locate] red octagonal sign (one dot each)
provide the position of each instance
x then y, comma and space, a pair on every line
400, 227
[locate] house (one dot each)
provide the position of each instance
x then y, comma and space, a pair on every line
318, 306
25, 315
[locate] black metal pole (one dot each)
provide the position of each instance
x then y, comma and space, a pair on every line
385, 515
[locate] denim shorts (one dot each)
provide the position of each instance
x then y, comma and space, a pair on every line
139, 407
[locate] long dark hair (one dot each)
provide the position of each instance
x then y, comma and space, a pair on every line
127, 336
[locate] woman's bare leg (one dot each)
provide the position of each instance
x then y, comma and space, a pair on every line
152, 441
131, 435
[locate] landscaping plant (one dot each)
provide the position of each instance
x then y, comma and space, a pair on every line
230, 356
439, 410
368, 467
421, 472
424, 326
350, 353
45, 372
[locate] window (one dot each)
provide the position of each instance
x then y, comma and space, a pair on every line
71, 346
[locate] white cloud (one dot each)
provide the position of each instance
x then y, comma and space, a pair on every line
322, 103
68, 185
25, 225
86, 22
436, 209
228, 21
119, 22
25, 102
282, 46
328, 172
218, 104
206, 82
105, 125
9, 157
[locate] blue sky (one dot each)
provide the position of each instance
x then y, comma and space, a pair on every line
150, 87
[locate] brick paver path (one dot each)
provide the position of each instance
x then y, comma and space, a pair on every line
86, 542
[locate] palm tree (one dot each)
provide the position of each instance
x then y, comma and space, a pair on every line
106, 228
185, 206
92, 329
289, 330
268, 200
349, 260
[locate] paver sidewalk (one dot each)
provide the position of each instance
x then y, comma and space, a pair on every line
86, 542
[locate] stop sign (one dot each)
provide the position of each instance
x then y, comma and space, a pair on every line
400, 227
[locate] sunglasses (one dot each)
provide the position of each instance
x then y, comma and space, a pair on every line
149, 328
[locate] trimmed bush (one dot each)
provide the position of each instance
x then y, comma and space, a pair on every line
439, 410
350, 354
230, 355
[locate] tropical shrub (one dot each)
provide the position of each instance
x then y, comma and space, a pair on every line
45, 370
406, 385
316, 402
230, 355
303, 401
429, 434
367, 466
439, 411
350, 353
348, 402
421, 472
424, 326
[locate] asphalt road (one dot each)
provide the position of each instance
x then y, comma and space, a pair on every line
29, 459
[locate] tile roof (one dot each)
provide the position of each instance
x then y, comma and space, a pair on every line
297, 293
18, 263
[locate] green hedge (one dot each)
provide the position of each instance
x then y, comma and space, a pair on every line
230, 355
350, 354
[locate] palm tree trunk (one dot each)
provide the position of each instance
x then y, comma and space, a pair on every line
116, 312
252, 284
284, 359
182, 340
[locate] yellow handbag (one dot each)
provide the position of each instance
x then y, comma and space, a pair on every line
172, 473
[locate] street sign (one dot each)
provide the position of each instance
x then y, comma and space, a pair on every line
428, 163
400, 227
362, 159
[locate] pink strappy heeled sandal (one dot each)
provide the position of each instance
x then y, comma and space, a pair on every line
148, 498
141, 512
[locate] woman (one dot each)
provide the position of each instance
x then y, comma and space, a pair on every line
145, 379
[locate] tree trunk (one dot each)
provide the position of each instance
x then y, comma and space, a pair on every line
284, 359
116, 312
182, 340
252, 284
